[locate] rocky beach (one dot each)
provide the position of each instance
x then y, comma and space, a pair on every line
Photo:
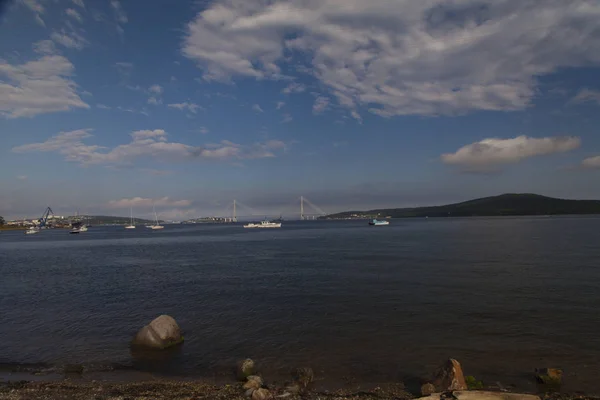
179, 390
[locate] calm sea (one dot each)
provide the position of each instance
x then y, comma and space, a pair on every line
359, 304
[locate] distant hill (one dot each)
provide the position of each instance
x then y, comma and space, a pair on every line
506, 204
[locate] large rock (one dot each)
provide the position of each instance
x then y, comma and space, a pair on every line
450, 377
161, 333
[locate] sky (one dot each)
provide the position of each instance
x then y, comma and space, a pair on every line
108, 105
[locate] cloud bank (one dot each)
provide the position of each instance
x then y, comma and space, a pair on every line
151, 144
403, 57
38, 87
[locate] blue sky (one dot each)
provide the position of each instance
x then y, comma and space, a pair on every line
107, 105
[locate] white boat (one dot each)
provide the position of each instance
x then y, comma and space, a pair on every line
78, 229
32, 230
156, 224
378, 222
263, 224
132, 223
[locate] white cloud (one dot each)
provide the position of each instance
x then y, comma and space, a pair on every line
120, 15
321, 104
129, 110
287, 118
294, 87
152, 144
280, 105
71, 12
37, 87
203, 130
34, 5
156, 89
153, 100
103, 106
79, 3
591, 162
37, 8
71, 40
587, 96
191, 107
257, 108
487, 153
401, 57
140, 202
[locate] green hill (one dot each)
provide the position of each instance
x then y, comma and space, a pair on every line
506, 204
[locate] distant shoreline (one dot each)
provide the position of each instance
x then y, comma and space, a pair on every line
505, 205
368, 218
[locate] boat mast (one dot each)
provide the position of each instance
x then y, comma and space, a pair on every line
301, 207
234, 212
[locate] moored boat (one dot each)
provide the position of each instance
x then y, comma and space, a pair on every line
263, 224
376, 222
156, 225
132, 222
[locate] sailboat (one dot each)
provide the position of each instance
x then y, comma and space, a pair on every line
32, 230
156, 224
132, 222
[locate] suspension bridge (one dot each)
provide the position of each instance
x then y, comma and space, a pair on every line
301, 208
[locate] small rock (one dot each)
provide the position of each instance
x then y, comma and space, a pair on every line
304, 376
261, 394
249, 392
252, 384
245, 368
161, 333
549, 376
427, 389
450, 377
256, 378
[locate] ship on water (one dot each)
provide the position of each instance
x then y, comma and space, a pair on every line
377, 222
263, 224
